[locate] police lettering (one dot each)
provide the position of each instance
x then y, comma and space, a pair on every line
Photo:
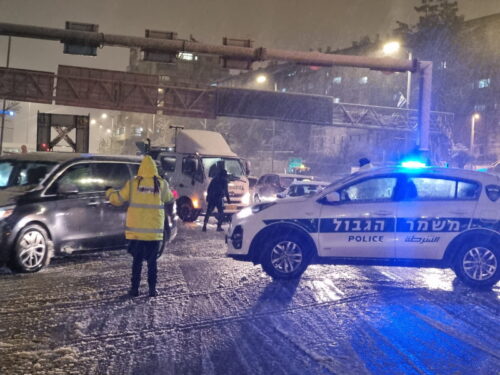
365, 239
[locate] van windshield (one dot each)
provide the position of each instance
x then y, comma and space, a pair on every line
234, 167
23, 173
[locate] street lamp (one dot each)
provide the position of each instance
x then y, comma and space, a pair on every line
392, 48
475, 116
104, 116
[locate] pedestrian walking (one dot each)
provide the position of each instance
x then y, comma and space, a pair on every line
217, 190
147, 194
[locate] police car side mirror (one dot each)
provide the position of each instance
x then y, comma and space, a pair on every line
330, 198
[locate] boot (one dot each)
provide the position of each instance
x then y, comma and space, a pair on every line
133, 292
219, 228
204, 229
153, 292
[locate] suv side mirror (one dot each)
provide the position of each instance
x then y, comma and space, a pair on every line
67, 189
247, 167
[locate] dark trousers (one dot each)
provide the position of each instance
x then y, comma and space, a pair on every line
148, 251
220, 211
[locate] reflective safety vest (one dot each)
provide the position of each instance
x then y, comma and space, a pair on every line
146, 209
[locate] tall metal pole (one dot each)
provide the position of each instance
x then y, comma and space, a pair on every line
408, 83
272, 146
4, 105
425, 69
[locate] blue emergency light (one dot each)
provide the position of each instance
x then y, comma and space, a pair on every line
413, 164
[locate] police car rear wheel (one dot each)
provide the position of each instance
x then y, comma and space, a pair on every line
285, 258
477, 264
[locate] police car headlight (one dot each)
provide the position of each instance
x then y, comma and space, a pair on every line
5, 212
245, 199
248, 211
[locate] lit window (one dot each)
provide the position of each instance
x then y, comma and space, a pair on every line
283, 89
186, 56
363, 80
337, 80
480, 107
336, 100
443, 65
484, 83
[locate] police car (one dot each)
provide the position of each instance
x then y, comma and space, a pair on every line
405, 216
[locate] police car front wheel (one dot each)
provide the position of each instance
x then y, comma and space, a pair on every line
477, 264
285, 257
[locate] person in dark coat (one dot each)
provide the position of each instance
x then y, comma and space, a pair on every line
217, 190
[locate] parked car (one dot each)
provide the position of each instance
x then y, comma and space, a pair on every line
300, 188
53, 204
427, 217
269, 185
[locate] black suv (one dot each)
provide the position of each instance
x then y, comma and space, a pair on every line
54, 204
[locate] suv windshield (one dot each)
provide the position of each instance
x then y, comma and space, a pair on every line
23, 173
234, 167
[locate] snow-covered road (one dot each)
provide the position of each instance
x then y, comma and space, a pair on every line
215, 315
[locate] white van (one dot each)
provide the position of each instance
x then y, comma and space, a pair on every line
195, 160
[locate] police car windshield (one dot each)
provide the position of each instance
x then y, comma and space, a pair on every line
23, 173
234, 167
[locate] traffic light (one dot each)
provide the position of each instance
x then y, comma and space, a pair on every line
233, 62
81, 49
159, 56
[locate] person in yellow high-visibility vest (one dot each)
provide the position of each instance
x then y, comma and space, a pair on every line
147, 194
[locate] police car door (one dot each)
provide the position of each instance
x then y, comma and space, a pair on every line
432, 211
362, 223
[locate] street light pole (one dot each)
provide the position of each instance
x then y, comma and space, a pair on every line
4, 105
475, 117
408, 83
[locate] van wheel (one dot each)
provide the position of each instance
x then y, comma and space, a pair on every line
285, 257
477, 264
31, 249
186, 211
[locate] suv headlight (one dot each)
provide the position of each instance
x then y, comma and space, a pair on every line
5, 212
247, 211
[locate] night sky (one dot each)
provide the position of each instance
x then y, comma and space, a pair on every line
287, 24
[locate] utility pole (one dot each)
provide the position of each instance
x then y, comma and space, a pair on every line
4, 105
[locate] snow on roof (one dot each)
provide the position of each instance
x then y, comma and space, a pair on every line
203, 142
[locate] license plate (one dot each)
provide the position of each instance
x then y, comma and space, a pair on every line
231, 207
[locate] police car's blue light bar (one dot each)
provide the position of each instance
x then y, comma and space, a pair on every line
413, 164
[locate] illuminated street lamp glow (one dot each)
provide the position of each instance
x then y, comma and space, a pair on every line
261, 78
476, 116
390, 48
92, 122
104, 116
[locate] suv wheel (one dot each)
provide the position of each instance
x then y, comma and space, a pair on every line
477, 264
286, 257
31, 249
